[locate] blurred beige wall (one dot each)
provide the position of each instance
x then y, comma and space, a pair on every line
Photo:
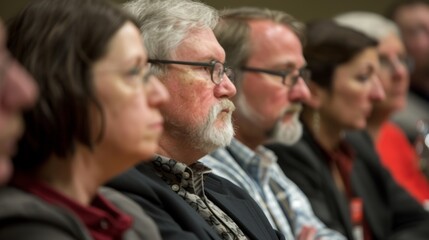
308, 9
302, 9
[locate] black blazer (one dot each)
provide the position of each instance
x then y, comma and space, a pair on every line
177, 220
390, 211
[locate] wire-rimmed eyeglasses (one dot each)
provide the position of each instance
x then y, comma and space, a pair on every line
391, 64
288, 78
217, 69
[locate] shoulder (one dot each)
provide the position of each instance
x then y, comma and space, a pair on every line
305, 148
240, 206
390, 133
223, 164
145, 187
143, 226
302, 155
224, 186
360, 141
24, 216
139, 181
220, 159
174, 217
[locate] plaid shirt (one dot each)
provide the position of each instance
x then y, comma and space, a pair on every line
258, 172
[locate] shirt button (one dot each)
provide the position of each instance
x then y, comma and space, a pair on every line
104, 224
186, 175
175, 187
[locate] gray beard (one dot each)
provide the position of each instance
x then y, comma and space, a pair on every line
286, 133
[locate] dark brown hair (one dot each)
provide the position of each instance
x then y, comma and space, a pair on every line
330, 45
233, 33
58, 41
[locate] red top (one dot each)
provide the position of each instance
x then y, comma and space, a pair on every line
343, 158
101, 218
399, 157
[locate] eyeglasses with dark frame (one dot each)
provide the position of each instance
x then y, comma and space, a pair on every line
217, 69
287, 78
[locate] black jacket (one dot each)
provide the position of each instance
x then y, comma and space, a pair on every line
390, 211
177, 220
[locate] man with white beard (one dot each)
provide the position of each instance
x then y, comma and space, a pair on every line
265, 47
182, 196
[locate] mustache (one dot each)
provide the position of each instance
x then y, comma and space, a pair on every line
294, 108
225, 104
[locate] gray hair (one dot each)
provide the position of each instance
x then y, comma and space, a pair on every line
166, 23
371, 24
233, 33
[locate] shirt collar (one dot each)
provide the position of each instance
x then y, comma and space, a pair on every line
177, 173
257, 163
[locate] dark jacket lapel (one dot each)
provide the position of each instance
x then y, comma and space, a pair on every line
239, 206
337, 200
363, 177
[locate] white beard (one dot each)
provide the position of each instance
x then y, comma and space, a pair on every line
287, 133
283, 132
207, 137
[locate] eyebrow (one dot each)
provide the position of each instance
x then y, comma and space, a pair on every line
211, 56
370, 68
136, 61
289, 65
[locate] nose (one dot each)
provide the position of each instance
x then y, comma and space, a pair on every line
225, 89
376, 92
399, 70
299, 92
18, 90
157, 93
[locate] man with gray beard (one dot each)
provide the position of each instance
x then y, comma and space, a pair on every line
179, 193
265, 47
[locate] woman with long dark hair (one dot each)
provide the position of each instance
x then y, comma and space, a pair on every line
97, 116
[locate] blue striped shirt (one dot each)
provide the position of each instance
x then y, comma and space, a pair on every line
253, 171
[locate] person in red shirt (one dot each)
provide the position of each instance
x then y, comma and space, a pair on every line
393, 147
97, 116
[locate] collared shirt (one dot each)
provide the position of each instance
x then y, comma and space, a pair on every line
188, 183
255, 171
101, 217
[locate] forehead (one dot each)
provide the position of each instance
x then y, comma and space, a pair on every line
275, 43
412, 14
126, 44
365, 59
391, 44
200, 45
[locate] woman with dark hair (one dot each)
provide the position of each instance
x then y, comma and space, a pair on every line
340, 173
97, 116
396, 152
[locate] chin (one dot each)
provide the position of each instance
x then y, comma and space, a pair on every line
400, 105
359, 125
148, 152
